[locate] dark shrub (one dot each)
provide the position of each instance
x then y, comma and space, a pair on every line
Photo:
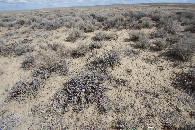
109, 59
28, 61
25, 88
82, 89
101, 36
95, 45
80, 51
186, 81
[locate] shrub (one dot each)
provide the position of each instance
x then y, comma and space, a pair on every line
156, 16
185, 81
23, 48
105, 37
190, 28
130, 52
86, 27
25, 88
82, 89
134, 35
146, 22
160, 44
80, 51
9, 121
169, 25
1, 71
143, 42
116, 21
15, 49
159, 33
109, 59
95, 45
28, 61
74, 35
184, 49
49, 62
54, 46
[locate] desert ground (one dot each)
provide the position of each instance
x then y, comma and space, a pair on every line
101, 67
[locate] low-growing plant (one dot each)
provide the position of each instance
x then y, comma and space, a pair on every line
95, 45
160, 44
185, 81
159, 33
15, 49
86, 27
190, 28
134, 35
80, 51
25, 88
50, 62
109, 59
101, 36
130, 52
184, 49
54, 46
146, 22
9, 121
1, 71
74, 35
23, 48
28, 61
85, 88
143, 42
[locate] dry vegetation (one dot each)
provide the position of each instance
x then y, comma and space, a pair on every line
103, 67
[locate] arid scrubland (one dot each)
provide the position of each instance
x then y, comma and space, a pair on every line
102, 67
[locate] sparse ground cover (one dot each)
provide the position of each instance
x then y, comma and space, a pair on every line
103, 67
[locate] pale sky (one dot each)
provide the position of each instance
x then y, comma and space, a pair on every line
6, 5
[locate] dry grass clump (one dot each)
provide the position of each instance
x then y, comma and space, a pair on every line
101, 36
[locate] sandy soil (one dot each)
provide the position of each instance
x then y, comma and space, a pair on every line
148, 99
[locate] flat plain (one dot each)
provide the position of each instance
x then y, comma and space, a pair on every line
101, 67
